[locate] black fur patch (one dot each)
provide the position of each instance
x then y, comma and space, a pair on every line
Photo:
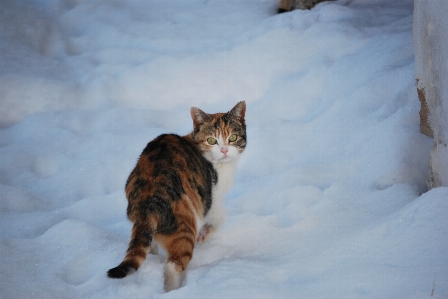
156, 205
122, 270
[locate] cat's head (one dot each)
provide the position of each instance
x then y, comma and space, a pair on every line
221, 136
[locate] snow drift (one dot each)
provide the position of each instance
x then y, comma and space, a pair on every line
329, 200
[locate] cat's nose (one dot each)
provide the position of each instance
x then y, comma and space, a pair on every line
224, 150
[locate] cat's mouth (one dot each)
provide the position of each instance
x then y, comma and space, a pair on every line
225, 158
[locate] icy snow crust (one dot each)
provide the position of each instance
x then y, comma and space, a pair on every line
329, 197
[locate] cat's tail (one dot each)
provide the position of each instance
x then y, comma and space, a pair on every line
139, 247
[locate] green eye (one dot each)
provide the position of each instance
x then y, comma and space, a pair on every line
211, 141
233, 138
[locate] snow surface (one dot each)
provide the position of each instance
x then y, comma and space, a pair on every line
329, 199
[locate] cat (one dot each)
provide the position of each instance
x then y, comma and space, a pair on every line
175, 191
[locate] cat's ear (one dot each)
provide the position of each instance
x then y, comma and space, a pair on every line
199, 117
239, 111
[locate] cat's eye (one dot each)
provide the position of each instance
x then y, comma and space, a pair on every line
211, 141
233, 138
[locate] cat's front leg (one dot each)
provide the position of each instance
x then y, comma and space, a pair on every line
203, 234
212, 223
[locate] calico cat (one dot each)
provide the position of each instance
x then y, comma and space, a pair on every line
175, 191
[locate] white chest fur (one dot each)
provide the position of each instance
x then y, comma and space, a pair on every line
217, 214
226, 177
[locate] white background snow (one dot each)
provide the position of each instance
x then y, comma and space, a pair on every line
329, 200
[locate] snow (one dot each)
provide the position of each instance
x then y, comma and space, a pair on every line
330, 198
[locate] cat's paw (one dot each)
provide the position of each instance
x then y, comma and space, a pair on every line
203, 234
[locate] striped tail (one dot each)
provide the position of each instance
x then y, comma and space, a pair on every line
139, 247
